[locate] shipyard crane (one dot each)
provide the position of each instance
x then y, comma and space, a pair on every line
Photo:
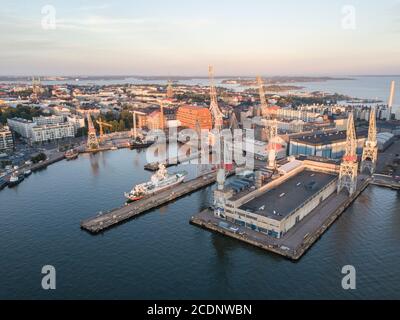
233, 123
263, 101
92, 142
162, 119
370, 151
134, 113
101, 124
214, 108
272, 136
349, 166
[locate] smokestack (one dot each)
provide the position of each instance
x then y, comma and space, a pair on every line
391, 98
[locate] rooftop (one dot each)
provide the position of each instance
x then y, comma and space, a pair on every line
327, 137
281, 201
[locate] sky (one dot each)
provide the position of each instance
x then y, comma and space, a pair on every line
182, 37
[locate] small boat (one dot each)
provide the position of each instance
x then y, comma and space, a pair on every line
27, 173
15, 179
139, 143
71, 154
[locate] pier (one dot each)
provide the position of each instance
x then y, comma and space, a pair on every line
116, 216
299, 239
153, 166
385, 181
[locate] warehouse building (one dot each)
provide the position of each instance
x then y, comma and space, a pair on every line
278, 206
327, 144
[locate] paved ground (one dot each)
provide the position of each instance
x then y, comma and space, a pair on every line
281, 201
300, 236
386, 158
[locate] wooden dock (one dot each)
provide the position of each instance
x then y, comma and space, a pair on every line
116, 216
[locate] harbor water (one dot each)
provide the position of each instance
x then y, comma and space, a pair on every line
159, 255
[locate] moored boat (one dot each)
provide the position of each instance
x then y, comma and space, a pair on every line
140, 143
71, 154
161, 180
15, 179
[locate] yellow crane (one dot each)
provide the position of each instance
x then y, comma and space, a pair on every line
101, 124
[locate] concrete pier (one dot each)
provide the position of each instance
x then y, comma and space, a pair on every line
300, 238
153, 166
116, 216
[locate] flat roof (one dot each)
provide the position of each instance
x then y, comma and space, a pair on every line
328, 137
279, 202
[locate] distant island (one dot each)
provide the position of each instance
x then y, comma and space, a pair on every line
247, 82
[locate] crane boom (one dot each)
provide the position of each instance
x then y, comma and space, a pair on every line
214, 108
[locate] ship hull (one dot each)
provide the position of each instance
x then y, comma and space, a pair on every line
132, 198
135, 145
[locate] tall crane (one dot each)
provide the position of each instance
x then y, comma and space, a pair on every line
370, 151
263, 101
214, 108
272, 136
349, 166
134, 113
92, 142
162, 118
101, 124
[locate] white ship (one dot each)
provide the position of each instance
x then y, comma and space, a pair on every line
159, 181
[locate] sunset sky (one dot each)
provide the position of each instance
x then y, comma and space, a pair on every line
177, 37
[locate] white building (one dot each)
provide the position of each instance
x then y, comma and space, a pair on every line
6, 139
40, 121
77, 121
52, 132
50, 129
21, 126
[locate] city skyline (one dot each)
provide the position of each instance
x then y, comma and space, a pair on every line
157, 38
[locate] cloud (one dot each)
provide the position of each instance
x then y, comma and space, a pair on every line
94, 7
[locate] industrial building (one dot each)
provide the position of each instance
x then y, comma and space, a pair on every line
191, 116
6, 139
279, 205
327, 144
385, 140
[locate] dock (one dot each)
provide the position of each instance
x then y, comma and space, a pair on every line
114, 217
41, 165
299, 239
385, 181
153, 166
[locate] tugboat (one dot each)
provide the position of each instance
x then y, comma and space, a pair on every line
159, 181
139, 143
15, 179
71, 154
